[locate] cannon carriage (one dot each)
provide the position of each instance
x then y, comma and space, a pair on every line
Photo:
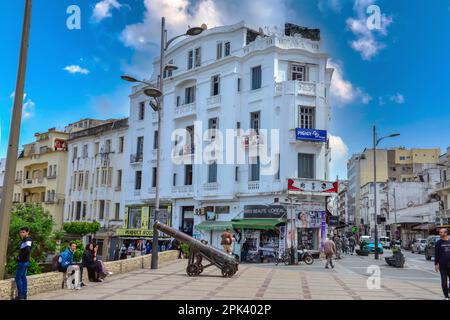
199, 252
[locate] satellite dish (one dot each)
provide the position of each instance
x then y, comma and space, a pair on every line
204, 26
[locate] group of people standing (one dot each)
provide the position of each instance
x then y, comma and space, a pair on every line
336, 246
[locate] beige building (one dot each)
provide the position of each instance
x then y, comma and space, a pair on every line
41, 173
443, 190
405, 163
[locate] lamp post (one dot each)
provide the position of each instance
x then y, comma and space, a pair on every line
158, 95
375, 144
13, 144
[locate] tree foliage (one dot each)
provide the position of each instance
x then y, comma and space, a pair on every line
41, 225
81, 228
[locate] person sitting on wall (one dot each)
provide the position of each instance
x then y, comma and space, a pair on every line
90, 263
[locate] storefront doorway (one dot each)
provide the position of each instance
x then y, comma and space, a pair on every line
187, 220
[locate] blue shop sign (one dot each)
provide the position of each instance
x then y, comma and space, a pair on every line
311, 134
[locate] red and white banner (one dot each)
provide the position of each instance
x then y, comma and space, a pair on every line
60, 145
312, 186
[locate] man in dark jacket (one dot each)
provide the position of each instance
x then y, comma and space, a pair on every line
23, 262
442, 259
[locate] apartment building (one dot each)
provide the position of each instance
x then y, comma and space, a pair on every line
442, 188
94, 182
404, 164
233, 77
41, 173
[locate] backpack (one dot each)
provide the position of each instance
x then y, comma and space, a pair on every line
55, 262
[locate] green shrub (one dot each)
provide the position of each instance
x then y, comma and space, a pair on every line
78, 254
185, 248
81, 228
363, 245
34, 267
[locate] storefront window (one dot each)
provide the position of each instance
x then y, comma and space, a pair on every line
260, 245
308, 238
163, 217
134, 218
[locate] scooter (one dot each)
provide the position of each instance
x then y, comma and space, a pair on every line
305, 256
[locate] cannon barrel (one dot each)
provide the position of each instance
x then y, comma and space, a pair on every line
207, 250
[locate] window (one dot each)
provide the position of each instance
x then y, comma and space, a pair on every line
86, 180
138, 180
110, 171
97, 177
298, 72
75, 153
104, 176
74, 185
117, 212
190, 62
107, 146
121, 141
101, 214
198, 57
239, 84
212, 172
227, 49
215, 85
85, 151
277, 175
256, 77
213, 125
254, 170
154, 177
155, 140
236, 174
219, 51
403, 158
97, 147
168, 73
134, 218
188, 175
174, 181
306, 118
189, 95
306, 166
80, 180
140, 146
84, 211
141, 111
255, 121
178, 101
78, 210
119, 178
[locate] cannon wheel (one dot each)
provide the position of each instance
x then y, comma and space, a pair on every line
228, 271
192, 270
200, 269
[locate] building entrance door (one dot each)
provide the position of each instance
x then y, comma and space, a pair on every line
187, 220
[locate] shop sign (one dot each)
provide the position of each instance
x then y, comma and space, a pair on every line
309, 219
138, 233
333, 221
210, 216
301, 185
311, 135
264, 211
60, 145
311, 206
222, 209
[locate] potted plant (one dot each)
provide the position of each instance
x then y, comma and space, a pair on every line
362, 251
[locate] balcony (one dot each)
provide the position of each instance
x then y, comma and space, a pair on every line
211, 186
183, 191
443, 185
53, 176
253, 186
136, 158
186, 110
213, 102
33, 183
298, 88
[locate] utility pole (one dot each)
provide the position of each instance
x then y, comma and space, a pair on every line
13, 144
375, 188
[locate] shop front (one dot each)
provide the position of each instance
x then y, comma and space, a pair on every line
310, 219
137, 230
261, 232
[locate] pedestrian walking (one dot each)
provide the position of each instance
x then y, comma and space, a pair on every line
442, 260
227, 240
23, 262
345, 245
351, 244
338, 243
329, 250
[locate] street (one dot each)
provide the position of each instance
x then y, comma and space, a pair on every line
347, 281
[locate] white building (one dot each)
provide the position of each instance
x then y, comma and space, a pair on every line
231, 77
2, 175
95, 167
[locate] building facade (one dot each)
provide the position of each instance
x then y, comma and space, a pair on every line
404, 164
442, 189
41, 173
232, 77
2, 175
95, 167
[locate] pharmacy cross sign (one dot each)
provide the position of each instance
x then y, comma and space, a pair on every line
312, 186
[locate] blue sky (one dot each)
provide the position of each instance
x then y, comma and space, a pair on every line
396, 78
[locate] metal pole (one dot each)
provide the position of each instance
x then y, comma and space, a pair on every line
13, 145
375, 188
395, 214
154, 264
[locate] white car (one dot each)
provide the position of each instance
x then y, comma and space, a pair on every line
418, 246
386, 242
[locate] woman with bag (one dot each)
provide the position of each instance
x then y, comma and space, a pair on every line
227, 240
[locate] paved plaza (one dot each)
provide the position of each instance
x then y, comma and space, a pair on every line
347, 281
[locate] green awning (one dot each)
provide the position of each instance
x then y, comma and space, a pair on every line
213, 225
260, 224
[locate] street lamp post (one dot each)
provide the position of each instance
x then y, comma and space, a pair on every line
13, 145
375, 143
158, 95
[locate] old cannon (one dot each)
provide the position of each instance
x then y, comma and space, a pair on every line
198, 251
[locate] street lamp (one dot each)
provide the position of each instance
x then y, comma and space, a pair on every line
13, 144
158, 95
375, 144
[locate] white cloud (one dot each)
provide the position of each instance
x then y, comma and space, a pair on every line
343, 91
13, 94
339, 156
181, 13
398, 98
103, 9
28, 107
334, 5
76, 69
366, 42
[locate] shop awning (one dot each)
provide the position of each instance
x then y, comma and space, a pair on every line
214, 225
425, 226
260, 224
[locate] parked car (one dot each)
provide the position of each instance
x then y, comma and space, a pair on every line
366, 238
386, 242
429, 247
371, 247
418, 246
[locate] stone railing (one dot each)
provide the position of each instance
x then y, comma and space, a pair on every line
294, 87
53, 280
185, 110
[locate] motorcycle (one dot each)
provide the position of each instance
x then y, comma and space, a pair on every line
305, 256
